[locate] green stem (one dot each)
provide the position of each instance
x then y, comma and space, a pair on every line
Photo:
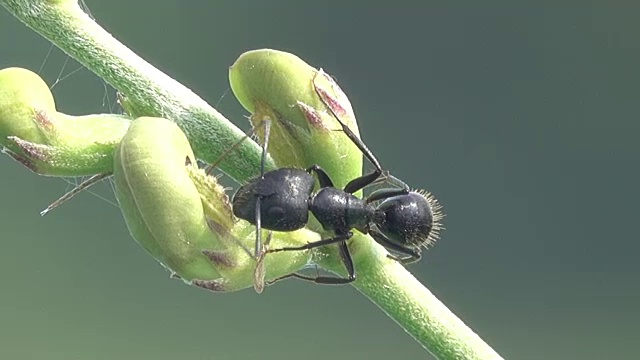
149, 91
403, 298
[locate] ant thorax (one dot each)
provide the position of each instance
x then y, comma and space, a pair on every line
339, 211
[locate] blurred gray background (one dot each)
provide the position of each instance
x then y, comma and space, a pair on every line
522, 120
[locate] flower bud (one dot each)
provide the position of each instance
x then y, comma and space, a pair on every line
48, 142
298, 99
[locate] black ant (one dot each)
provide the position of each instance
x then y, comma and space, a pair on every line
281, 199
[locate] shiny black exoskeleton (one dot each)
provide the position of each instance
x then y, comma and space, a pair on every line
399, 219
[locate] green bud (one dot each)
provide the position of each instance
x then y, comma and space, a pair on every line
297, 98
182, 216
48, 142
23, 94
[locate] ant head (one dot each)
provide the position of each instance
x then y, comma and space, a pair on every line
411, 220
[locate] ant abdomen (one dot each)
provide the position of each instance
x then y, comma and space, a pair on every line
283, 193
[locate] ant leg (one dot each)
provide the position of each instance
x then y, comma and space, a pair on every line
332, 240
218, 229
385, 194
267, 131
345, 255
259, 272
329, 280
257, 254
258, 246
82, 186
364, 180
361, 182
391, 180
397, 182
413, 254
322, 280
323, 177
233, 147
406, 260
